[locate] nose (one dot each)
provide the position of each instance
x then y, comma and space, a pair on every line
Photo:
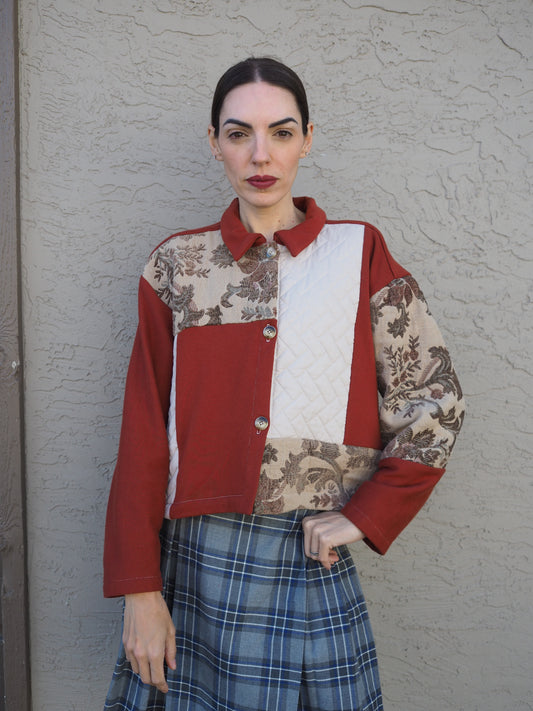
261, 153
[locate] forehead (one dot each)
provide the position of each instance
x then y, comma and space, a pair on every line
261, 101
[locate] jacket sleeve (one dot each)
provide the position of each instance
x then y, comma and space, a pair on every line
137, 498
421, 413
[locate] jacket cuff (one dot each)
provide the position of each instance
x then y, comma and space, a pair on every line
116, 588
383, 506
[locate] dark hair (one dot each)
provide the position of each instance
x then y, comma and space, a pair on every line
256, 69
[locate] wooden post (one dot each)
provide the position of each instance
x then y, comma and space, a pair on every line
14, 648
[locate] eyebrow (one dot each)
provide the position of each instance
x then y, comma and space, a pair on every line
271, 125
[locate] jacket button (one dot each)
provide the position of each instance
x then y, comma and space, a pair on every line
271, 251
269, 332
261, 423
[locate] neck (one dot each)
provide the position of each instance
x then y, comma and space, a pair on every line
268, 221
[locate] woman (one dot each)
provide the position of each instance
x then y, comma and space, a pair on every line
253, 445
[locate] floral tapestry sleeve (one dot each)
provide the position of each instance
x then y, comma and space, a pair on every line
422, 406
421, 413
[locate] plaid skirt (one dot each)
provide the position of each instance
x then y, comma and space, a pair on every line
259, 626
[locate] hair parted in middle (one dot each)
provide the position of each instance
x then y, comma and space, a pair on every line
256, 69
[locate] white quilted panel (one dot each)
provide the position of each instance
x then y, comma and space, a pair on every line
319, 295
172, 439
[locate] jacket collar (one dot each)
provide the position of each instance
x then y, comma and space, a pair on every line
239, 241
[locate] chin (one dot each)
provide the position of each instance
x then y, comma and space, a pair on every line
262, 198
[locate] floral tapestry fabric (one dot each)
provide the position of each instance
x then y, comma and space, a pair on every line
196, 276
419, 413
315, 475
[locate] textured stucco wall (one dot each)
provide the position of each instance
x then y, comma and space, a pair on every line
422, 111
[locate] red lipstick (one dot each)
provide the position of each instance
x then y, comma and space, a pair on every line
262, 182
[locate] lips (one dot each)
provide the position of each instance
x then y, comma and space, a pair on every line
262, 182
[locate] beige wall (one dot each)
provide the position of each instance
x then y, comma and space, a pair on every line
421, 110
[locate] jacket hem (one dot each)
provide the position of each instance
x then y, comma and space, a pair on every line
215, 505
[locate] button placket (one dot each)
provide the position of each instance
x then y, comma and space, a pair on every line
269, 332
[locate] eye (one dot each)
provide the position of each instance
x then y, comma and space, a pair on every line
235, 135
283, 133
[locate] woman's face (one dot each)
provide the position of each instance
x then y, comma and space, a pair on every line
260, 141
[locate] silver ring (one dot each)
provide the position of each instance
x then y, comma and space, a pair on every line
313, 553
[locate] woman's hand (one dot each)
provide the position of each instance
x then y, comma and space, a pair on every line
324, 531
149, 637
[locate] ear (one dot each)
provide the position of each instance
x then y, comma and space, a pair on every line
213, 143
308, 141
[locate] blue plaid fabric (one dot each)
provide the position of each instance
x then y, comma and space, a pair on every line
260, 627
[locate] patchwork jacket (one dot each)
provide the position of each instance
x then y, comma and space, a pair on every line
306, 372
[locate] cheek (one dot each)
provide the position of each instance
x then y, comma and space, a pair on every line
294, 162
231, 171
232, 160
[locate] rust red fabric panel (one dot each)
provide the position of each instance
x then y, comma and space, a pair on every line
131, 553
362, 418
223, 384
383, 506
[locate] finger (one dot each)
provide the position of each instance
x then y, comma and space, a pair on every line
314, 544
333, 557
133, 664
307, 526
144, 670
331, 560
158, 677
305, 529
317, 543
152, 670
170, 649
130, 656
325, 548
160, 685
323, 558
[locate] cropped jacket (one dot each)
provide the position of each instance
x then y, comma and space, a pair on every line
306, 372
